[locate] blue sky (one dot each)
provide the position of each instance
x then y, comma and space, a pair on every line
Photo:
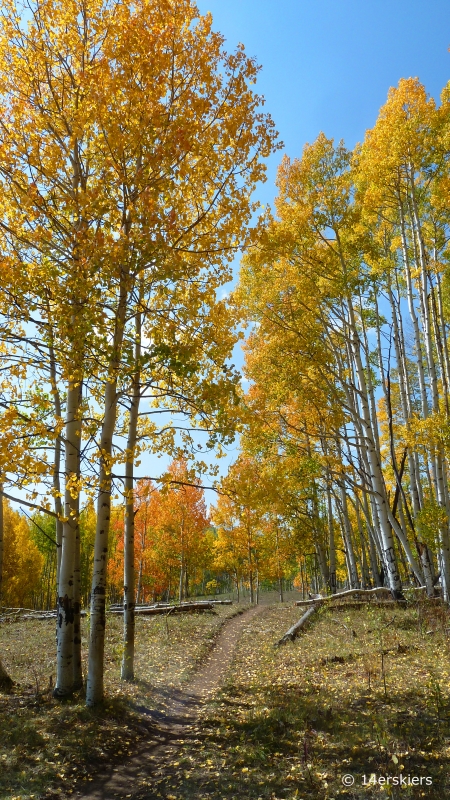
328, 64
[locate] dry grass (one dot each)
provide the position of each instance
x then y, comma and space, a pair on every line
361, 692
45, 744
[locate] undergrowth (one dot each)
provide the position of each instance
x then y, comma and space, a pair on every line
45, 745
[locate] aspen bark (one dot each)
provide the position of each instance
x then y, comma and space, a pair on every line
66, 610
441, 320
346, 533
332, 542
128, 565
412, 313
365, 577
440, 350
280, 579
437, 461
408, 398
427, 566
77, 660
2, 546
94, 693
94, 688
321, 558
57, 460
374, 461
181, 581
405, 403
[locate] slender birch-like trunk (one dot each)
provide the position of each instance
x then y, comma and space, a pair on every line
2, 546
374, 461
321, 558
405, 403
65, 611
347, 535
181, 581
128, 563
331, 542
57, 465
77, 660
138, 590
250, 564
374, 536
443, 328
412, 313
94, 689
365, 576
439, 349
427, 567
373, 561
436, 462
280, 579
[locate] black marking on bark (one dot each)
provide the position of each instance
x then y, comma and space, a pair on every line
66, 610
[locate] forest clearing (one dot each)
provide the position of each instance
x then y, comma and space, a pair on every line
360, 692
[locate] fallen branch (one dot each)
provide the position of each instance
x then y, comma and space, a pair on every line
290, 635
206, 603
160, 609
221, 602
363, 603
349, 593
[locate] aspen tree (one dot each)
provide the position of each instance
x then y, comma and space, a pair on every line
134, 152
129, 554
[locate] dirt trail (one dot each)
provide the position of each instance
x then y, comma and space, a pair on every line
173, 724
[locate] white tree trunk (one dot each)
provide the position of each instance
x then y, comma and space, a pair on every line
57, 463
405, 403
413, 315
65, 616
129, 579
347, 534
2, 546
332, 543
77, 659
374, 462
94, 688
427, 566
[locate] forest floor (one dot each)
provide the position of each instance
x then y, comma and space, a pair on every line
220, 713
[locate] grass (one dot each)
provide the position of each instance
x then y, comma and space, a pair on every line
362, 692
45, 744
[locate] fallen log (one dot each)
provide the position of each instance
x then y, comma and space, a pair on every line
206, 603
221, 602
349, 593
363, 603
45, 615
178, 609
290, 635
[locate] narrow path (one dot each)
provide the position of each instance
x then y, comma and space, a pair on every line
174, 724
